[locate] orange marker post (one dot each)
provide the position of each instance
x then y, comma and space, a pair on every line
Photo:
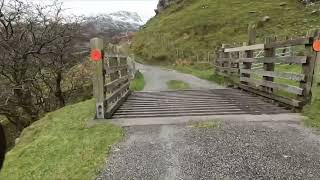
316, 45
96, 55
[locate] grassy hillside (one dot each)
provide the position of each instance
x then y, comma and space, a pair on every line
61, 146
192, 30
195, 27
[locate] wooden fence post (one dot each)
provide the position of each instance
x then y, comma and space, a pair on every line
119, 64
227, 64
309, 69
316, 36
249, 54
218, 63
316, 76
269, 52
222, 63
133, 66
96, 44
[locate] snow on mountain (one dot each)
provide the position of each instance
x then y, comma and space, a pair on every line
124, 16
114, 23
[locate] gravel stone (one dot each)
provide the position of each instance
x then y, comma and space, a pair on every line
234, 150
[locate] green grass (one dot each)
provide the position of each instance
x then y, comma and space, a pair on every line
61, 146
290, 69
138, 83
313, 111
177, 85
206, 72
197, 27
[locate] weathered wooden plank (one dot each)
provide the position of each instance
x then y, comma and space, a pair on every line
113, 76
115, 56
290, 102
235, 70
98, 79
245, 48
249, 54
274, 74
118, 92
111, 70
224, 59
269, 52
284, 87
112, 62
116, 105
110, 86
316, 79
284, 60
291, 42
309, 68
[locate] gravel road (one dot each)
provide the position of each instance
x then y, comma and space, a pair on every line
243, 150
235, 149
157, 77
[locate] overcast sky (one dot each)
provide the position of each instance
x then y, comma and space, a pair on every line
145, 8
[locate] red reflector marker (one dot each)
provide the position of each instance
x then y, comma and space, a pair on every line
316, 45
96, 55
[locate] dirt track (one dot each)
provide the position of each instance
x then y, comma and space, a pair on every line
240, 147
157, 77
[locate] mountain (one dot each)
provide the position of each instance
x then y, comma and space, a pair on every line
194, 28
113, 24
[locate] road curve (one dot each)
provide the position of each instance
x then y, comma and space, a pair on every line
157, 77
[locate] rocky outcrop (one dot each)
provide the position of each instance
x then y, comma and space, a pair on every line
163, 4
308, 2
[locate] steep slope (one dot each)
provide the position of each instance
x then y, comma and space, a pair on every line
194, 27
61, 145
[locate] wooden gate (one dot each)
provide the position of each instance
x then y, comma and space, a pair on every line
282, 85
110, 80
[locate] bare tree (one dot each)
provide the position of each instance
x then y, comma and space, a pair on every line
37, 46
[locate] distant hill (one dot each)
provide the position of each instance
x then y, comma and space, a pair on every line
110, 25
196, 27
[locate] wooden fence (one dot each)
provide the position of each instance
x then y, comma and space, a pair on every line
110, 82
235, 63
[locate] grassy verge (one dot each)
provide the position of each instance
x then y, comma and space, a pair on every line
313, 111
177, 85
202, 72
138, 83
206, 125
61, 146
